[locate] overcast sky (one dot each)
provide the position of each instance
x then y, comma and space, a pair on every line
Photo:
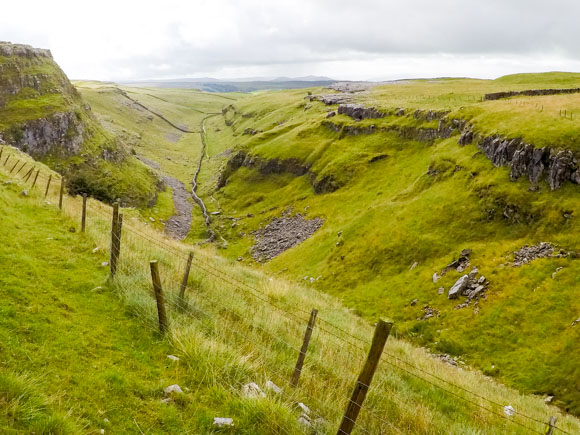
343, 39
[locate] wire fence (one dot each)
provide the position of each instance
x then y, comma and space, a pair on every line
267, 329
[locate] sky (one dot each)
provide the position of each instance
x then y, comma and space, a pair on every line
342, 39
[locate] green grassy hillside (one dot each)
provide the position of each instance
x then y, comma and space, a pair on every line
42, 114
403, 201
175, 151
81, 354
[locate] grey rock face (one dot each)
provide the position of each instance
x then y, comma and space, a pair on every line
524, 159
61, 133
276, 166
359, 112
466, 138
7, 49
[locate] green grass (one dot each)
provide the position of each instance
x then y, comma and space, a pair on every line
392, 214
74, 354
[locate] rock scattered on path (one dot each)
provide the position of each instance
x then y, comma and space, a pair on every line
282, 234
178, 225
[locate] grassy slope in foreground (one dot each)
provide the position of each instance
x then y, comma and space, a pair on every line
73, 357
392, 213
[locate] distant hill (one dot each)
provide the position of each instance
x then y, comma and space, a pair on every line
245, 85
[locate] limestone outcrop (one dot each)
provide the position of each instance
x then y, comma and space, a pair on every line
524, 159
291, 165
360, 112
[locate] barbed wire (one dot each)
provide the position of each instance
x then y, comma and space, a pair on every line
233, 281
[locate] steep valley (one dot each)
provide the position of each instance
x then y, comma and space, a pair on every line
402, 189
453, 214
400, 204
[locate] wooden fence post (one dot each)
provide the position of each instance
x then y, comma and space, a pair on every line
28, 174
15, 164
186, 276
302, 354
382, 331
47, 185
20, 169
115, 239
1, 151
84, 213
35, 178
61, 194
7, 158
158, 296
551, 425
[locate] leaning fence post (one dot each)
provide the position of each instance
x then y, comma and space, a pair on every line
20, 169
382, 331
61, 192
186, 276
47, 185
84, 213
551, 425
7, 158
302, 354
15, 164
28, 174
158, 296
35, 178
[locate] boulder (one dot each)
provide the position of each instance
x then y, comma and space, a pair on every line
173, 389
273, 387
252, 391
458, 287
223, 421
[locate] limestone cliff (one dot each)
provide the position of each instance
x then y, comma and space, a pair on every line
42, 114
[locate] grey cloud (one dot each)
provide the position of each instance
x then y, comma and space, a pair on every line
256, 33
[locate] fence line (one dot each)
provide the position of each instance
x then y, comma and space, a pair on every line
255, 293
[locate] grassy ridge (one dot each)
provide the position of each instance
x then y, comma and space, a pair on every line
223, 336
